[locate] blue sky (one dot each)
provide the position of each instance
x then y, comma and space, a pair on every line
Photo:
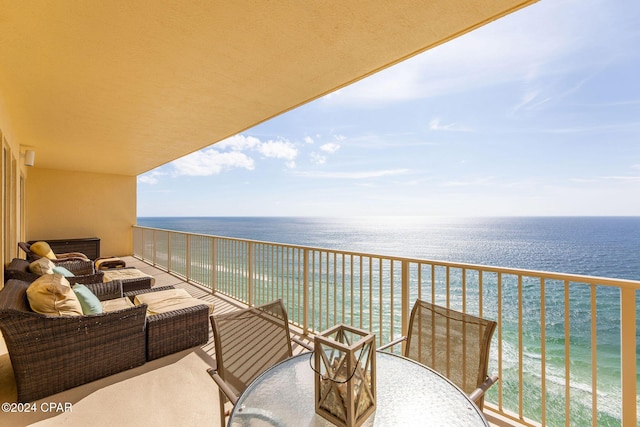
535, 114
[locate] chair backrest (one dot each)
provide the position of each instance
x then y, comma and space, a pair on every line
30, 255
452, 343
249, 341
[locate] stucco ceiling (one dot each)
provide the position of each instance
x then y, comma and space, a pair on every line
125, 86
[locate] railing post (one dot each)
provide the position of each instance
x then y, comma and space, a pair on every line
187, 267
155, 244
406, 309
214, 265
628, 356
169, 258
134, 234
305, 293
250, 274
133, 240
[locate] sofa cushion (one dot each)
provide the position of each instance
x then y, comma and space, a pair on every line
43, 249
51, 294
88, 300
126, 274
169, 300
116, 304
42, 266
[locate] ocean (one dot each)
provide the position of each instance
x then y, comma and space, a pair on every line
593, 246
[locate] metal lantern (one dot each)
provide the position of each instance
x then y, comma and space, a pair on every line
345, 380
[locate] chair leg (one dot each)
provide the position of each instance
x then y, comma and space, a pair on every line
223, 414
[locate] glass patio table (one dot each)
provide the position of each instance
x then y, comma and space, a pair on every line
408, 394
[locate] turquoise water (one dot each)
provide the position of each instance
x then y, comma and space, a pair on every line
607, 247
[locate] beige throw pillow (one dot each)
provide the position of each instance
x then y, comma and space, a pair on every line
51, 294
42, 266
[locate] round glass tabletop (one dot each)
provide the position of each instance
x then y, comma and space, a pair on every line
408, 393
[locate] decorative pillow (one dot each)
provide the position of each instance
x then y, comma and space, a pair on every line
61, 270
88, 300
42, 266
43, 249
51, 294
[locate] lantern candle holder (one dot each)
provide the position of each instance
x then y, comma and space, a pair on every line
345, 380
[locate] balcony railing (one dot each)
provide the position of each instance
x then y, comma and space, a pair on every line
565, 348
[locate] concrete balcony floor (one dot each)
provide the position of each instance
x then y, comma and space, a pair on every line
171, 391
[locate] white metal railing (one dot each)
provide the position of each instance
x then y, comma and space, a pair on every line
565, 347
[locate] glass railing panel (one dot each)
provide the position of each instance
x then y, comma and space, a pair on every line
161, 252
178, 254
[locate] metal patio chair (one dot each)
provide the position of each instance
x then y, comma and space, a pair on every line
452, 343
247, 342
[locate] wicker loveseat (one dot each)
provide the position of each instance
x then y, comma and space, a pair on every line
50, 354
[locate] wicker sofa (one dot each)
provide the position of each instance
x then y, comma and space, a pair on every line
18, 269
79, 258
50, 354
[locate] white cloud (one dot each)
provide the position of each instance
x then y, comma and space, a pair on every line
632, 177
623, 178
527, 99
330, 147
354, 175
318, 159
230, 154
437, 125
308, 140
211, 162
280, 149
472, 182
150, 177
540, 40
238, 143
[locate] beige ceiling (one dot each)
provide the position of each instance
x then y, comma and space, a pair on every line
125, 86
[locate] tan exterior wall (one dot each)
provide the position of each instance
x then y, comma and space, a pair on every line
66, 205
42, 203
